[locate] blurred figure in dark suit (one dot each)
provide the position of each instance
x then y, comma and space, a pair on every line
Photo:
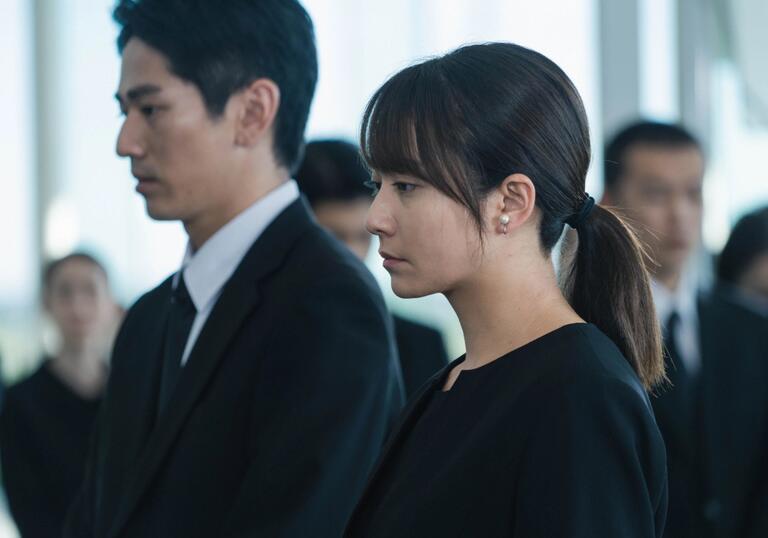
742, 267
333, 178
48, 417
714, 412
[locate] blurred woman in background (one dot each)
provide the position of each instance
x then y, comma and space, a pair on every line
47, 418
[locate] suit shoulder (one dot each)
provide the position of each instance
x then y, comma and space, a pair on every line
719, 307
320, 258
151, 298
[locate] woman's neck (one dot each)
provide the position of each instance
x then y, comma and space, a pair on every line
501, 310
82, 369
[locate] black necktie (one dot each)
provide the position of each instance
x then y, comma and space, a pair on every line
181, 315
675, 366
682, 381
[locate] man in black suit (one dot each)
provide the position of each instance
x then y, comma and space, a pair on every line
714, 412
250, 392
333, 178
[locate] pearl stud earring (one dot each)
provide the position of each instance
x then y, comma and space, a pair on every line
504, 220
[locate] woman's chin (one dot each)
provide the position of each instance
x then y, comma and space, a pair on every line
410, 290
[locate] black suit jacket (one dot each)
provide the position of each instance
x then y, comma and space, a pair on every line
277, 417
718, 449
421, 352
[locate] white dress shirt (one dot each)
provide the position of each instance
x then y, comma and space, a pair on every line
684, 302
206, 270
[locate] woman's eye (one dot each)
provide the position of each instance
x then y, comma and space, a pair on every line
374, 186
404, 187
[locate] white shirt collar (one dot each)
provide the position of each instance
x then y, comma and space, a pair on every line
682, 300
208, 269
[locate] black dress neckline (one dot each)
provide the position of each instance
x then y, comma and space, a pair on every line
507, 357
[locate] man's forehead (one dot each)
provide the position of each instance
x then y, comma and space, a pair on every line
143, 68
664, 162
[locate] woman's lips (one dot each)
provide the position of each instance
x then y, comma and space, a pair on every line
390, 261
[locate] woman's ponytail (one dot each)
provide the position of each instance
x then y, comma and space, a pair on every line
608, 285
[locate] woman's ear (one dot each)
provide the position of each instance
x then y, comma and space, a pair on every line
257, 107
515, 202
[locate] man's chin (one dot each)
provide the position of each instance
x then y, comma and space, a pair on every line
159, 213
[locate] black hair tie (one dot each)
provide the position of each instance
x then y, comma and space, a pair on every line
576, 220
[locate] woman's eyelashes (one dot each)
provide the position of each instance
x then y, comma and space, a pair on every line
404, 187
400, 186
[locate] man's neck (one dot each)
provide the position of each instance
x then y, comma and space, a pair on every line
669, 279
203, 226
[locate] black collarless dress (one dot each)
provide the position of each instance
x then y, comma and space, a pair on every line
44, 433
555, 439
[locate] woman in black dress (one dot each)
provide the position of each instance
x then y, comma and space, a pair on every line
47, 418
543, 428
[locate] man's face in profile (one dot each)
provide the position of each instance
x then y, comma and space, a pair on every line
660, 191
176, 149
345, 219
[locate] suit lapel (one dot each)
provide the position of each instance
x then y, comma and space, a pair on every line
239, 297
408, 419
715, 380
143, 408
135, 396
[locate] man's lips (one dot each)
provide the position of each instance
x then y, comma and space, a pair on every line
146, 184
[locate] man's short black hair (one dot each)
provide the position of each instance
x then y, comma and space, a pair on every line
332, 171
748, 240
642, 133
222, 46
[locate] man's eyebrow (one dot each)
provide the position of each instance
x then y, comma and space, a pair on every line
138, 92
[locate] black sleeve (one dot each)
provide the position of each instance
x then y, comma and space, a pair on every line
329, 390
25, 487
79, 522
594, 466
756, 510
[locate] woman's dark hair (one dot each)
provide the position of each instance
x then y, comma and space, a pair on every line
223, 46
748, 240
50, 268
332, 171
465, 121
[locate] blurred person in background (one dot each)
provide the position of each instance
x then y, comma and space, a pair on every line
714, 412
742, 267
333, 178
251, 391
47, 419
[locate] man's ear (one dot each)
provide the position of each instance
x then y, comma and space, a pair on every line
256, 110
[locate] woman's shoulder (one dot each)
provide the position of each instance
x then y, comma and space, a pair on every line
582, 362
584, 350
29, 389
